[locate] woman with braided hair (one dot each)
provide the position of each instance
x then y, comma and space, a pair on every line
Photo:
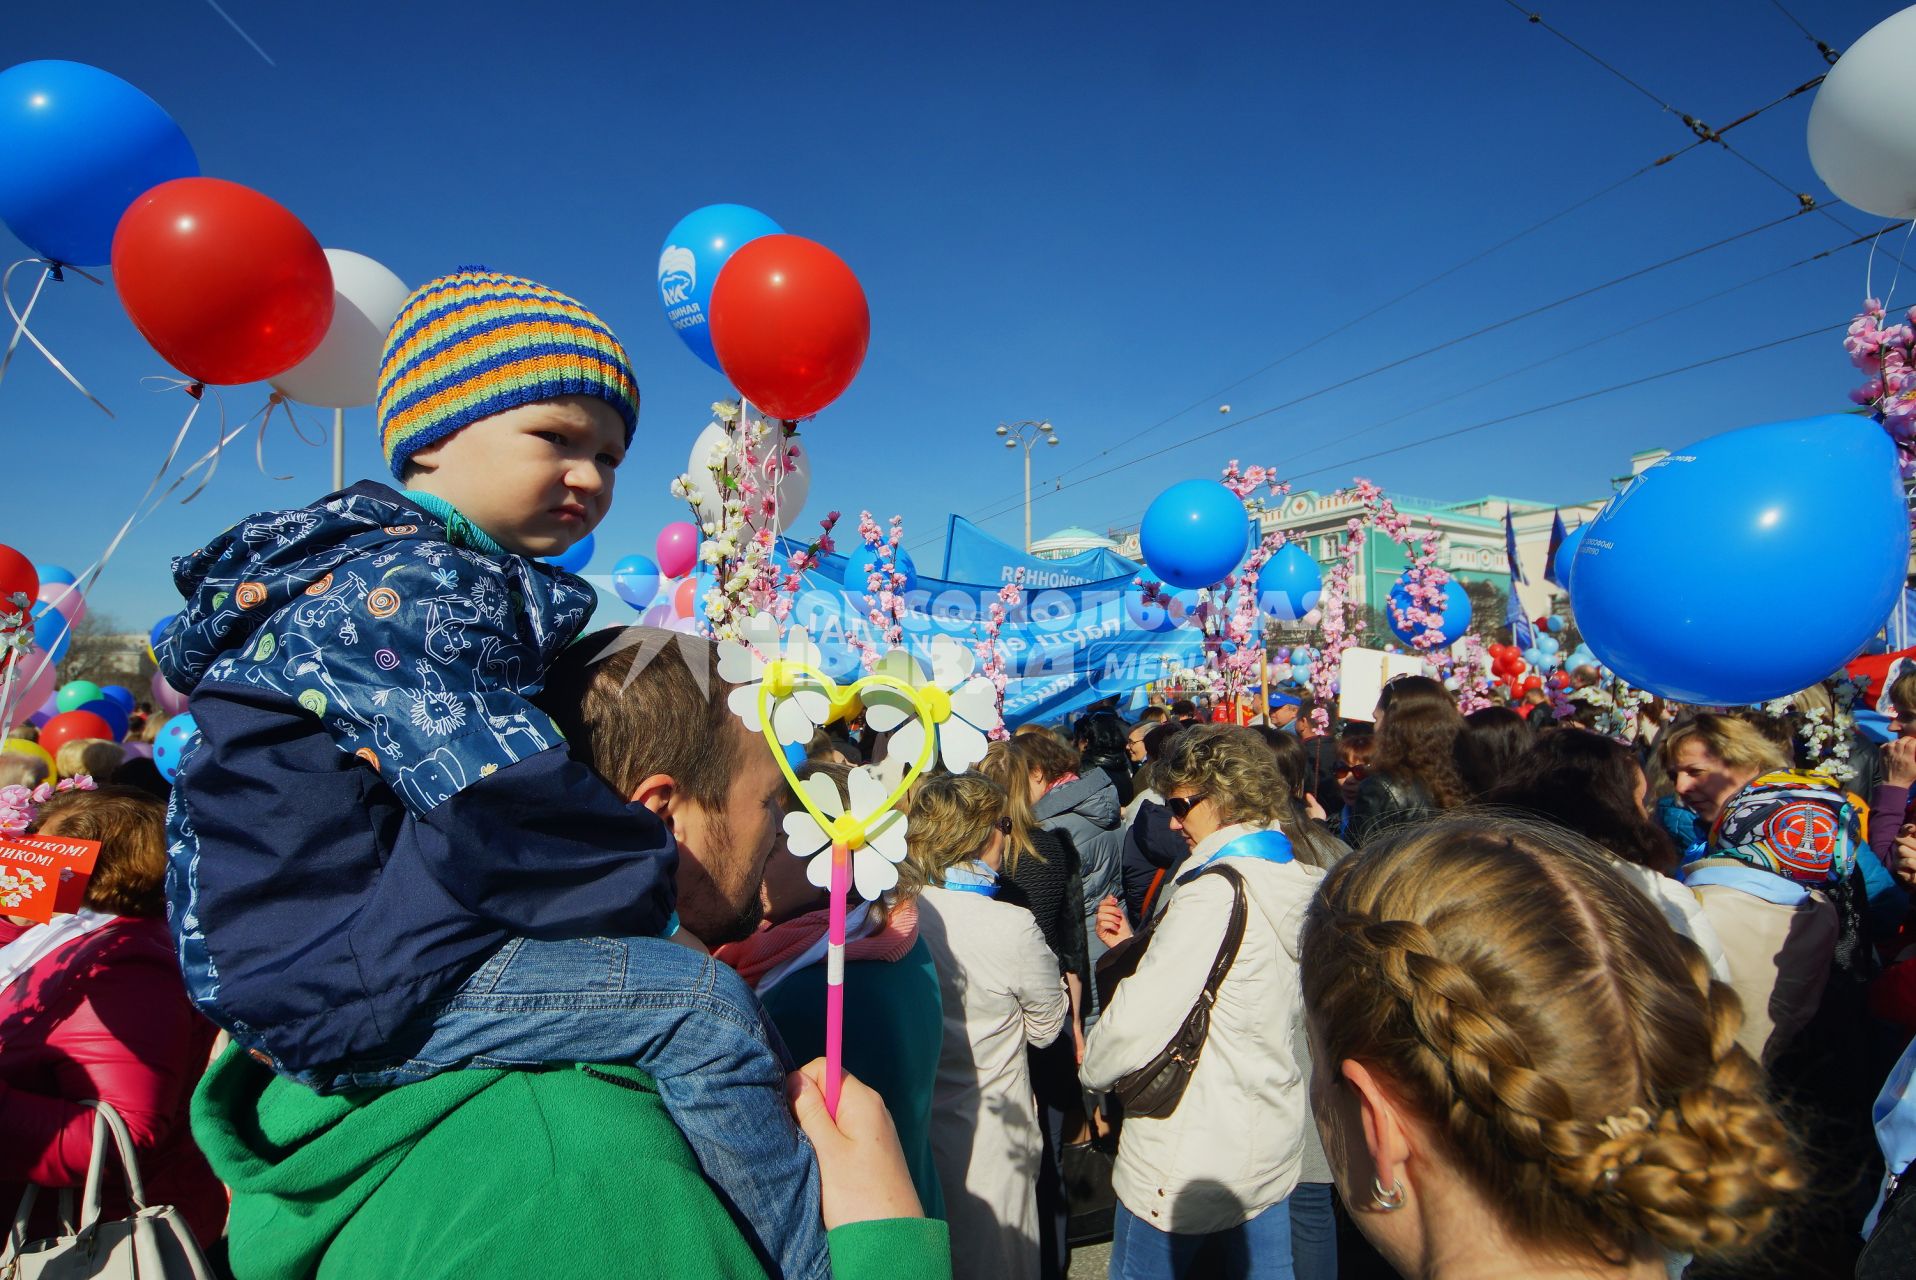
1520, 1068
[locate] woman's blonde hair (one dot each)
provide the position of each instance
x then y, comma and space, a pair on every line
1231, 765
1734, 741
950, 822
1002, 765
1570, 1051
24, 771
97, 758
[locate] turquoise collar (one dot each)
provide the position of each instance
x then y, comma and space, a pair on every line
460, 531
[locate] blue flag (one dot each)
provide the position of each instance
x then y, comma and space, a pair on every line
1556, 544
1521, 633
1510, 549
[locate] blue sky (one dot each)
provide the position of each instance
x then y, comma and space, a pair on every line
1097, 215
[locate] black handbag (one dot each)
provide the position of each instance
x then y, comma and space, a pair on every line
1155, 1089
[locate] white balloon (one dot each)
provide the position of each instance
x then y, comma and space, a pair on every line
1862, 131
791, 488
343, 370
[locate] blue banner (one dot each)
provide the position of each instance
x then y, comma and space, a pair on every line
1064, 648
974, 556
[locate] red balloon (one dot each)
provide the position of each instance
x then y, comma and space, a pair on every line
1532, 682
17, 577
789, 324
685, 600
226, 284
70, 725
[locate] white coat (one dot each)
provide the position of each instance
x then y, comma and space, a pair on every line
1001, 991
1233, 1146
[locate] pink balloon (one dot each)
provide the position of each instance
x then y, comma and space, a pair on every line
169, 700
65, 597
678, 548
34, 681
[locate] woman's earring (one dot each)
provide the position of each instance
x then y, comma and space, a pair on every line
1384, 1201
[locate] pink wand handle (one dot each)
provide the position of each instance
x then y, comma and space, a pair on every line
835, 980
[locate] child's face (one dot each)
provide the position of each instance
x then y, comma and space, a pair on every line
537, 478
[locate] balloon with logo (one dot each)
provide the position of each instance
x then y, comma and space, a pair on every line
1862, 127
343, 370
694, 253
77, 146
1194, 533
1807, 517
790, 325
225, 283
1456, 616
170, 747
636, 579
677, 548
1289, 584
169, 700
575, 558
1566, 561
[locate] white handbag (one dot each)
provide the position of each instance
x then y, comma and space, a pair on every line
152, 1244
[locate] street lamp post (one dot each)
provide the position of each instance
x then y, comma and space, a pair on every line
1027, 433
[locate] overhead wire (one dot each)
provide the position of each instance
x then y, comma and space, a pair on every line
1829, 55
1058, 483
1703, 133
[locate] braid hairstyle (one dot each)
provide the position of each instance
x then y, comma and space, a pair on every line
1569, 1050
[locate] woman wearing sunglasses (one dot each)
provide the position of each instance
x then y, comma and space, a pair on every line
1001, 991
1218, 1168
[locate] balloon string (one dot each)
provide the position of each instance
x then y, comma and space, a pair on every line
273, 402
7, 709
56, 272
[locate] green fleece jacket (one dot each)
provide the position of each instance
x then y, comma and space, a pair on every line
573, 1171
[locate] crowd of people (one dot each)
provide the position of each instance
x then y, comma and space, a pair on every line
1480, 1003
464, 945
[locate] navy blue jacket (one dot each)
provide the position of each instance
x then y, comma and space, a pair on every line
374, 805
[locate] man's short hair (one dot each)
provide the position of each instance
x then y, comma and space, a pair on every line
1153, 714
630, 707
1184, 709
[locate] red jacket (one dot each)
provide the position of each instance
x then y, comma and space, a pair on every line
105, 1017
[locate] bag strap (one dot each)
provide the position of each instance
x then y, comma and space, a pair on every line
107, 1121
1233, 932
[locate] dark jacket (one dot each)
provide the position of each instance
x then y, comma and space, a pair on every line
1383, 802
1150, 846
1051, 887
1087, 810
374, 806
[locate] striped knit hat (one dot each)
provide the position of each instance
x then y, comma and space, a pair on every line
477, 343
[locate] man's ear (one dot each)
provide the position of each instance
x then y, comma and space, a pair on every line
659, 793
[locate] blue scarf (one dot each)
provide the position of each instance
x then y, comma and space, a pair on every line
1266, 846
972, 877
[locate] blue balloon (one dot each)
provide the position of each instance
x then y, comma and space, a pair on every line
121, 695
575, 559
1289, 584
52, 572
689, 264
110, 711
1566, 560
636, 579
1194, 534
51, 631
861, 561
1456, 613
1555, 624
1792, 529
77, 146
1547, 644
170, 747
159, 629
